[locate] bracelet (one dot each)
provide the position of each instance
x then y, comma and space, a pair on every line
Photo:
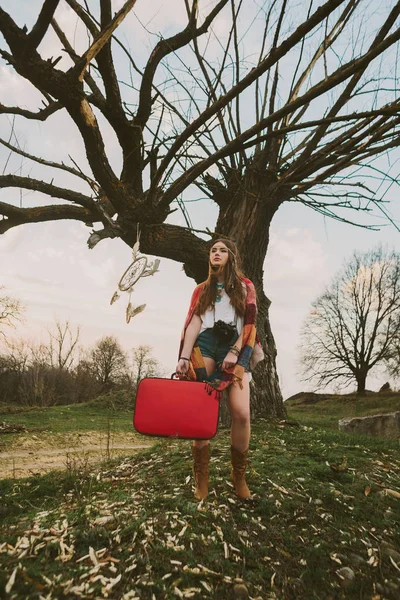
235, 350
183, 358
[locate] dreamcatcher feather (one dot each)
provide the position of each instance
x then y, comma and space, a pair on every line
139, 267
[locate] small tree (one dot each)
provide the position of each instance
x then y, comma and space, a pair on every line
144, 364
353, 325
109, 363
63, 345
10, 312
393, 361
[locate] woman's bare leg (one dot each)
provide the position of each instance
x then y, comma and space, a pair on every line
209, 364
239, 406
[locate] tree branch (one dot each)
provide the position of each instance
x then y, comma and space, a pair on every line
346, 94
320, 14
102, 39
47, 188
41, 115
21, 216
42, 24
162, 49
335, 79
47, 163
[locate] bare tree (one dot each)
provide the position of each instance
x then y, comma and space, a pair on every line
144, 364
10, 312
299, 118
108, 363
354, 324
63, 345
37, 386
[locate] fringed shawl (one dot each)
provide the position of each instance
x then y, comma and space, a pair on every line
251, 347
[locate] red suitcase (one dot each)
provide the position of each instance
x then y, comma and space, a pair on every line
175, 408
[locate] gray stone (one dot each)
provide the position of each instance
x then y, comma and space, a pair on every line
240, 591
391, 590
341, 556
346, 576
356, 560
390, 552
384, 425
391, 585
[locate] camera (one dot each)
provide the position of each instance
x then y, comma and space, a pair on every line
224, 332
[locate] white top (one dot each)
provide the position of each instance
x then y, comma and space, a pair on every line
224, 311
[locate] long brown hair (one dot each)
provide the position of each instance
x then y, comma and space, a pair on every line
232, 272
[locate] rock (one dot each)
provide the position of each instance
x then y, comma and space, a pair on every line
390, 552
391, 590
11, 428
346, 576
290, 422
384, 425
240, 591
356, 560
389, 514
318, 502
391, 585
341, 556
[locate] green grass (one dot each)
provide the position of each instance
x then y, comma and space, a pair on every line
89, 416
153, 540
330, 408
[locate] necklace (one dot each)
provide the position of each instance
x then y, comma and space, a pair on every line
220, 288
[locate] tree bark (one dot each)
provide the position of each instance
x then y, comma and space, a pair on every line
246, 220
266, 395
361, 379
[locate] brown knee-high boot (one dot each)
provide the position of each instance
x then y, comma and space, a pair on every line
201, 459
238, 474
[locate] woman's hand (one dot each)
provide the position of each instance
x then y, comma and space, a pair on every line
182, 367
230, 361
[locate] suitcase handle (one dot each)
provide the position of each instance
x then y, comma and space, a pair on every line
173, 374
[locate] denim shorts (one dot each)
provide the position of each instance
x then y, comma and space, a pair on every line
211, 347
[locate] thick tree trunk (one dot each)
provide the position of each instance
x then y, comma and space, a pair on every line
361, 379
266, 396
247, 220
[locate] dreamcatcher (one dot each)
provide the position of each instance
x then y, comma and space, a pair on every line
139, 267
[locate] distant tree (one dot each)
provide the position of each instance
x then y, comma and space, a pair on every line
63, 345
393, 361
38, 384
10, 312
354, 324
144, 364
108, 363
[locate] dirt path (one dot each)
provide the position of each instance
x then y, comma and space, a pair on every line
32, 455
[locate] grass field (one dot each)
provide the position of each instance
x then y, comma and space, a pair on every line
130, 529
324, 410
89, 416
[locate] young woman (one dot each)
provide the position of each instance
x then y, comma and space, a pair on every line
219, 345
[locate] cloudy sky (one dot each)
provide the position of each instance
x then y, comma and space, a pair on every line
50, 269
